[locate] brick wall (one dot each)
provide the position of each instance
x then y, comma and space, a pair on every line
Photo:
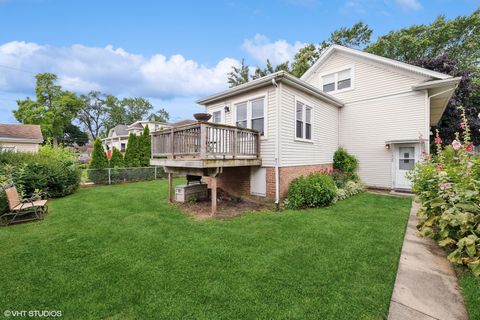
233, 180
288, 174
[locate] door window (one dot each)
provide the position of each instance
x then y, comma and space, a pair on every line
406, 158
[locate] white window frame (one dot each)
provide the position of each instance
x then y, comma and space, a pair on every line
248, 101
222, 114
8, 149
335, 73
306, 104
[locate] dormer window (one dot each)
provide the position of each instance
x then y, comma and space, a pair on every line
337, 81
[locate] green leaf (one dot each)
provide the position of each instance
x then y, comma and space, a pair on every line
475, 268
445, 242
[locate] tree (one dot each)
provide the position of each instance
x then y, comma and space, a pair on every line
144, 146
132, 158
99, 157
269, 69
238, 75
304, 59
94, 112
116, 160
161, 115
54, 109
356, 37
73, 135
458, 38
464, 96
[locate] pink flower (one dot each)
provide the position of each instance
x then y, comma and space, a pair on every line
438, 140
444, 186
469, 148
439, 168
456, 144
462, 125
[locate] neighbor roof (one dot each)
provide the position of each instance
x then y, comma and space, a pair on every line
394, 63
120, 130
21, 132
280, 76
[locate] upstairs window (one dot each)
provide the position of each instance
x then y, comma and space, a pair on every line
337, 81
303, 121
251, 114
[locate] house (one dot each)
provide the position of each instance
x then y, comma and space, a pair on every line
20, 137
118, 135
379, 109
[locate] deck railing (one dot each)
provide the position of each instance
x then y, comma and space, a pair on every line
204, 140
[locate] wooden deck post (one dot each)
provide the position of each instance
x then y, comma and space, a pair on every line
213, 182
170, 188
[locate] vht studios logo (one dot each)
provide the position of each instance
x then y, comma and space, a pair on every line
33, 313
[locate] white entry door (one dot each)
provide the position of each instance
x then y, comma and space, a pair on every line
406, 156
258, 181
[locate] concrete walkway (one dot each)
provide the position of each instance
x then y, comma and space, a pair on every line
426, 285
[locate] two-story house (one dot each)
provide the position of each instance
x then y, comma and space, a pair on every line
379, 109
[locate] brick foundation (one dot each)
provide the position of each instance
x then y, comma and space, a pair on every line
288, 174
237, 180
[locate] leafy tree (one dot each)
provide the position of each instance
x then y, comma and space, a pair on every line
116, 160
144, 146
132, 158
238, 75
356, 37
459, 38
465, 95
160, 115
53, 110
73, 135
269, 69
99, 157
304, 59
94, 112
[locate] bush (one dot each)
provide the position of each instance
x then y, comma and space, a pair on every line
51, 170
351, 188
98, 164
344, 161
449, 190
340, 178
317, 190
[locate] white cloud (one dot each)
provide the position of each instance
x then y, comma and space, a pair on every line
261, 49
409, 4
112, 70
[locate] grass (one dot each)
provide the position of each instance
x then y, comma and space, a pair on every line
122, 252
471, 292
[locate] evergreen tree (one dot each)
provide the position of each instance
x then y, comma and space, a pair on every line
116, 161
145, 148
99, 157
132, 158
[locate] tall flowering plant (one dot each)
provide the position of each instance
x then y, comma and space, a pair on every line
448, 186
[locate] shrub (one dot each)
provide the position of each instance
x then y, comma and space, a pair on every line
98, 164
317, 190
51, 170
116, 161
449, 190
344, 161
351, 188
132, 154
340, 178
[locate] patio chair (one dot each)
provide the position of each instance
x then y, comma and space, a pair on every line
28, 210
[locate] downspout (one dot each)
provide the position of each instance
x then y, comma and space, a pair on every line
277, 143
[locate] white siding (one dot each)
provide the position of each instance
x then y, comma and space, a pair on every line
366, 126
370, 79
21, 147
324, 131
267, 147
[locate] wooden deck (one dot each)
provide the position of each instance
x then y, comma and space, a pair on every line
206, 145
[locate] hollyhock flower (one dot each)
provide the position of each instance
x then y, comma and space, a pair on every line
462, 125
439, 168
469, 148
438, 140
456, 144
444, 186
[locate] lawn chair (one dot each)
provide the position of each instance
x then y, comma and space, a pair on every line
28, 210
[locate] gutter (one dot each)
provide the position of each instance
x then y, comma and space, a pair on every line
277, 143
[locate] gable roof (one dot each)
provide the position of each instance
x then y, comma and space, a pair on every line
120, 130
21, 132
272, 79
387, 61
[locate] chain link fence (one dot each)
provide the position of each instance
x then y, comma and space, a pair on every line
120, 175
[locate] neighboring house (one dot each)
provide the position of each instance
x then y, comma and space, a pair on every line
118, 135
20, 137
379, 109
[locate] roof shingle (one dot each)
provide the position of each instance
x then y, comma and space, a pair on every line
21, 131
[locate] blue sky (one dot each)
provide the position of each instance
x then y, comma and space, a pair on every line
174, 52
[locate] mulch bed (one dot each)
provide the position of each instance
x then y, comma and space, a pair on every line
227, 206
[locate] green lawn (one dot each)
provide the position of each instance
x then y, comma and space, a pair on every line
122, 252
471, 291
